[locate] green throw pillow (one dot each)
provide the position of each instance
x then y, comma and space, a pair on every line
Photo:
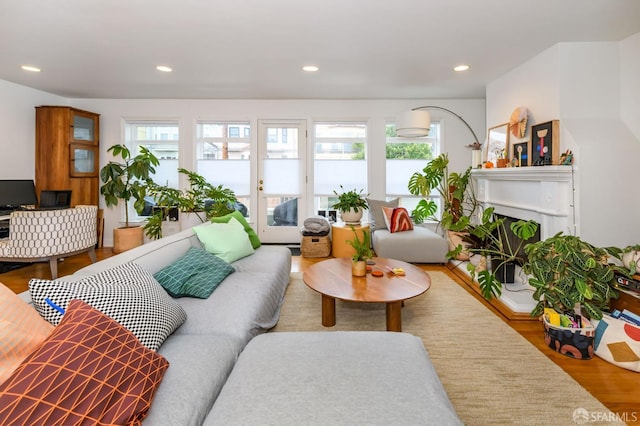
196, 274
228, 241
255, 241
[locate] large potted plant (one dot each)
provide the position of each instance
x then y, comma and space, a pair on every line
201, 201
351, 204
362, 252
571, 274
459, 202
125, 180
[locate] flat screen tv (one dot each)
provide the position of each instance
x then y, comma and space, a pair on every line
17, 192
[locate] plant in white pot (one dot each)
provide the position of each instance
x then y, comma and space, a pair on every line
631, 258
351, 204
126, 180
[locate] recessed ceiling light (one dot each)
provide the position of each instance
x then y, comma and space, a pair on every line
461, 68
310, 68
163, 68
30, 68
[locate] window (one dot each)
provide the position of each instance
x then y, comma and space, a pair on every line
405, 156
223, 152
163, 140
339, 159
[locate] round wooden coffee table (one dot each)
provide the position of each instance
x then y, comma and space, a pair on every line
333, 280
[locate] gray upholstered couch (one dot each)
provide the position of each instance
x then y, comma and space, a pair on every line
220, 375
204, 350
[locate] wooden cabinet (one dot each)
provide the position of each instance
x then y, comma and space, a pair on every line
67, 152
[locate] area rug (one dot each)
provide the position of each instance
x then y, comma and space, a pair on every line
493, 376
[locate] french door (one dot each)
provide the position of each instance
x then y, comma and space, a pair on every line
281, 180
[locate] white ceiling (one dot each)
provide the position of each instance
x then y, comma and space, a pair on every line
254, 49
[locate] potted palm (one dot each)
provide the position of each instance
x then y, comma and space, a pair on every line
351, 205
362, 252
125, 180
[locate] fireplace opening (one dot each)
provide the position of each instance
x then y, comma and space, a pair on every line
513, 240
505, 273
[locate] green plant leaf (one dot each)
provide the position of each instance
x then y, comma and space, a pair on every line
489, 285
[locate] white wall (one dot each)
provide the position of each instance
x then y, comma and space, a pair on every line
586, 86
630, 83
376, 112
18, 124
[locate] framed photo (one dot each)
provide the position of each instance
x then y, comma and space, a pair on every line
497, 144
545, 144
521, 153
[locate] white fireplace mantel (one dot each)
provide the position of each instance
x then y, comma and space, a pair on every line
544, 194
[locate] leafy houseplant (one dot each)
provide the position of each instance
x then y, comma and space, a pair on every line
350, 202
458, 199
455, 189
569, 273
362, 252
491, 238
126, 180
202, 198
631, 258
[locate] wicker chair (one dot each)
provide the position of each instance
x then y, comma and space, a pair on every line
48, 235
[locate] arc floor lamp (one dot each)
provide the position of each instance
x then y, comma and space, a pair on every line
416, 123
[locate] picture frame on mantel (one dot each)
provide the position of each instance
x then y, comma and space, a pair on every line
521, 153
545, 144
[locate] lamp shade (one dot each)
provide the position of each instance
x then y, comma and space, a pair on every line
413, 124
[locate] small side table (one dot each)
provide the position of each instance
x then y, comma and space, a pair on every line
341, 233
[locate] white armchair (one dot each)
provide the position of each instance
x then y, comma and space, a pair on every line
48, 235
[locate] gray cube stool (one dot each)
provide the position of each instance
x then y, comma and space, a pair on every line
333, 378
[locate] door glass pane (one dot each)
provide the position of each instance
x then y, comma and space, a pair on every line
282, 176
282, 211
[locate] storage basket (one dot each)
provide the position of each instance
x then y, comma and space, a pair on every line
315, 246
573, 342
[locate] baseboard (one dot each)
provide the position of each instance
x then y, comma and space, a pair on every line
496, 303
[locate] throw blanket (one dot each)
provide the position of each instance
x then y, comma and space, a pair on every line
316, 225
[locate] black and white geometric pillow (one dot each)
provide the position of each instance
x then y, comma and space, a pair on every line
127, 293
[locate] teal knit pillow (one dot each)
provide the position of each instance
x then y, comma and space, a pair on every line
196, 274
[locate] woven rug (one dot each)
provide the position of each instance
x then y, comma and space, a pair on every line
493, 376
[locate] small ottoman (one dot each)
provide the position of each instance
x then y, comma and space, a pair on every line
331, 378
420, 245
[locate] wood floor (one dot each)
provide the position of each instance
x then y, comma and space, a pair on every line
616, 388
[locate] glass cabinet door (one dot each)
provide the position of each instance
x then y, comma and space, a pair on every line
84, 128
83, 161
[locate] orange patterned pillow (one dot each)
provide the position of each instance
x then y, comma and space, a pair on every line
21, 331
397, 219
91, 370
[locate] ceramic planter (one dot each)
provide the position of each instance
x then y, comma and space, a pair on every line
352, 217
359, 268
127, 238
